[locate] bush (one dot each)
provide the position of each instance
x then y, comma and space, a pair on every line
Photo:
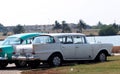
109, 30
18, 29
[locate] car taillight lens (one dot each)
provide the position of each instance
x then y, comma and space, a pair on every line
14, 53
0, 50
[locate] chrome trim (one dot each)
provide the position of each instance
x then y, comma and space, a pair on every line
19, 57
3, 58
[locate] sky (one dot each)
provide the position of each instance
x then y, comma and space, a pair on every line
32, 12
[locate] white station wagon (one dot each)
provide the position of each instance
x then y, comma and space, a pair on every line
56, 48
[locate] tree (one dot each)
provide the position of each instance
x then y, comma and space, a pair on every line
115, 26
3, 29
81, 25
99, 23
109, 30
65, 27
99, 26
57, 26
18, 29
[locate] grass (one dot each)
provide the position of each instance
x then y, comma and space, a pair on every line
112, 66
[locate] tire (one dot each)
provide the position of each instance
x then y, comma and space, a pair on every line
3, 64
102, 57
34, 64
21, 64
55, 60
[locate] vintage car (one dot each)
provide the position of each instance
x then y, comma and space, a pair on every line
59, 47
6, 49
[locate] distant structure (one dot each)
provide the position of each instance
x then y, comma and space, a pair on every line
40, 28
49, 29
34, 28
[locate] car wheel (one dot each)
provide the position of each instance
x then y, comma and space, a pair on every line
102, 57
3, 64
55, 60
20, 63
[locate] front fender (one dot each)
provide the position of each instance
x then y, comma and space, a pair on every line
7, 51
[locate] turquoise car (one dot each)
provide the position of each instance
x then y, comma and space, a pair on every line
7, 49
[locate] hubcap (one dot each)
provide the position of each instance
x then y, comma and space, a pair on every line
102, 57
56, 61
22, 63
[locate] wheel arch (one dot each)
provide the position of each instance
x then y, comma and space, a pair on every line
102, 51
54, 54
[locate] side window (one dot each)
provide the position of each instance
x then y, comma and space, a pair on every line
62, 39
43, 39
79, 40
51, 39
66, 39
36, 40
69, 40
28, 41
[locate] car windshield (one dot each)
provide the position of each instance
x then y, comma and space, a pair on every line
11, 41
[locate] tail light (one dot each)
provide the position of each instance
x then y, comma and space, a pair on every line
14, 53
0, 50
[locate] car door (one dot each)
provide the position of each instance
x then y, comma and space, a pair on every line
83, 50
44, 46
67, 47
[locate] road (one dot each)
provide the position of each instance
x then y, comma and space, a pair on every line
11, 69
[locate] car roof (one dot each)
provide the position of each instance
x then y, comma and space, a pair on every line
65, 34
25, 36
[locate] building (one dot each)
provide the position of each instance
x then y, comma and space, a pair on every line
34, 28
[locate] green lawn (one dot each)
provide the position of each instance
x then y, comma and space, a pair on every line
112, 66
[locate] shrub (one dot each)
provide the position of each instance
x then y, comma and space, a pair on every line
109, 30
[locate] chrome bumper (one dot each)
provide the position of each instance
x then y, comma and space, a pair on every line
19, 57
4, 58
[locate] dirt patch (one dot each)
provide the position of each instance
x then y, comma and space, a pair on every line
10, 72
48, 71
10, 69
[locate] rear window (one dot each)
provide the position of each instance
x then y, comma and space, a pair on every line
43, 40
